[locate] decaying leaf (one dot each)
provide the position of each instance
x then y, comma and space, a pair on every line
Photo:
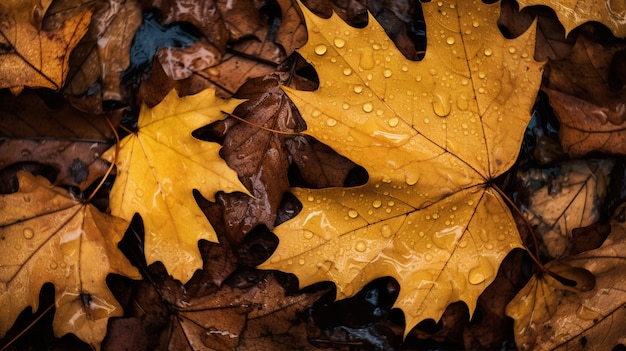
30, 56
592, 112
160, 165
49, 236
550, 316
432, 135
572, 13
103, 54
564, 198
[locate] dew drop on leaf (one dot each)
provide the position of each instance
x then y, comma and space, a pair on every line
441, 105
353, 214
360, 246
331, 122
385, 231
367, 58
321, 49
368, 107
488, 52
28, 233
450, 40
387, 73
358, 89
301, 261
393, 121
339, 42
53, 265
308, 234
377, 203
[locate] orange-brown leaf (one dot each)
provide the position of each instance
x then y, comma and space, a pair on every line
50, 236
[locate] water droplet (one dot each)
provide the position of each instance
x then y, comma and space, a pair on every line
410, 179
28, 233
321, 49
387, 73
377, 203
358, 89
301, 261
418, 78
463, 244
405, 68
441, 105
512, 49
450, 40
316, 113
353, 214
368, 107
385, 231
347, 71
391, 203
367, 58
428, 257
464, 81
345, 106
501, 237
481, 75
308, 234
53, 265
360, 246
393, 121
488, 52
339, 42
475, 24
481, 272
426, 120
331, 122
432, 71
463, 104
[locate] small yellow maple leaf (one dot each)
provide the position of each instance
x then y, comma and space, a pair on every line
573, 13
432, 135
48, 236
30, 56
160, 165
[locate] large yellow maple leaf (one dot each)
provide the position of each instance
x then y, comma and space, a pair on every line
432, 136
160, 165
47, 235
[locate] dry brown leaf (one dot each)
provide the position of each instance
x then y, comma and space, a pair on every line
50, 236
550, 316
591, 112
30, 56
564, 199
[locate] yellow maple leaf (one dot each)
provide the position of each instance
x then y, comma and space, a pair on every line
160, 165
49, 236
432, 135
573, 13
33, 57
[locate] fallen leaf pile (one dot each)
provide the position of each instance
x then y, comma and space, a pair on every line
346, 175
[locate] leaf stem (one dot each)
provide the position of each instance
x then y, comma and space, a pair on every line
27, 327
117, 149
259, 126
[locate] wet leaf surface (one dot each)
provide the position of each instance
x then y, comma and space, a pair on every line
351, 236
53, 237
149, 181
33, 57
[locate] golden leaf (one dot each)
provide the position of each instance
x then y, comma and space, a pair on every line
30, 56
572, 13
160, 165
432, 135
49, 236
